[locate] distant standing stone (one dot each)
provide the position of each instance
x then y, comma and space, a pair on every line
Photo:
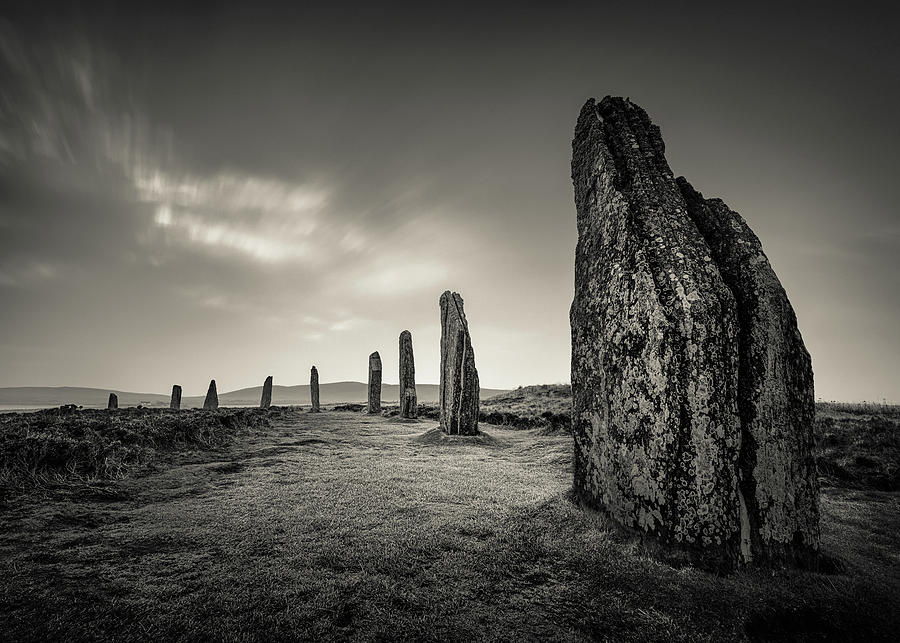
374, 383
314, 389
459, 387
113, 401
212, 398
176, 397
408, 403
266, 400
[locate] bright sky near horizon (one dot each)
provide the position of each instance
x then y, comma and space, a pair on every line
236, 192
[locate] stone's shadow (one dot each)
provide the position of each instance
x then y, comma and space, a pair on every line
436, 436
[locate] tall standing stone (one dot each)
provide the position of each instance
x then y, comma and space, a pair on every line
212, 397
113, 402
374, 383
409, 407
175, 402
314, 389
663, 439
459, 388
266, 399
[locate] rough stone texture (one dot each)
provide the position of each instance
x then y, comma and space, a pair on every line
459, 386
656, 349
175, 402
266, 399
409, 407
113, 401
314, 389
374, 383
212, 397
776, 405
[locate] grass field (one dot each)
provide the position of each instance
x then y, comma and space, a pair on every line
347, 526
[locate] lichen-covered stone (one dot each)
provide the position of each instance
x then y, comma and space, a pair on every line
113, 401
459, 388
266, 400
777, 474
655, 350
314, 390
175, 401
408, 400
374, 405
212, 397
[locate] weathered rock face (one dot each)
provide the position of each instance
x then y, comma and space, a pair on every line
459, 388
266, 399
212, 397
175, 402
314, 389
409, 407
374, 383
777, 473
657, 379
113, 401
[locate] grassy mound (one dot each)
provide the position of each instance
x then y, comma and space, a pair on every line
65, 443
436, 436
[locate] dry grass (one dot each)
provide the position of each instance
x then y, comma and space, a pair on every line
65, 445
859, 446
346, 526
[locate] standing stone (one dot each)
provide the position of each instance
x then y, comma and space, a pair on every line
314, 389
113, 401
212, 398
663, 437
266, 399
374, 383
175, 402
409, 407
459, 388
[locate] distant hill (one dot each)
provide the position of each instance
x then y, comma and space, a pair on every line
58, 395
330, 393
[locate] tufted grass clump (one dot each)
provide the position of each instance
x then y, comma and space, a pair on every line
70, 444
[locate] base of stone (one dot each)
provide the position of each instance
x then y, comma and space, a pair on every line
711, 560
436, 436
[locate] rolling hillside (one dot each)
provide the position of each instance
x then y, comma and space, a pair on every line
330, 393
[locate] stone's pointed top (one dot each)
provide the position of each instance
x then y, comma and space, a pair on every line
375, 361
452, 306
313, 369
113, 401
405, 333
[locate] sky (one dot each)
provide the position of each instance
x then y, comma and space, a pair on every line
245, 191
